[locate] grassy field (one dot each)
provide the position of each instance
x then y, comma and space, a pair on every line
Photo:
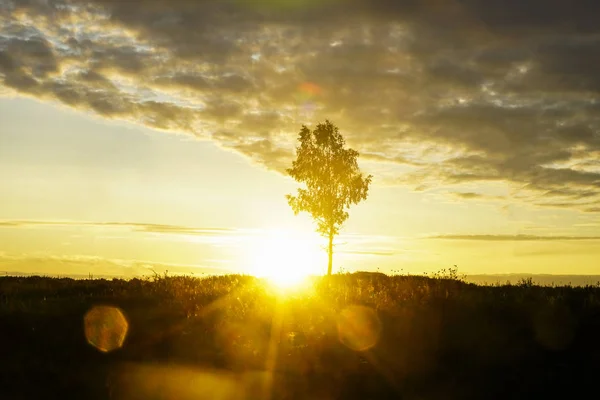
352, 336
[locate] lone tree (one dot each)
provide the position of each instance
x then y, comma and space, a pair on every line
332, 178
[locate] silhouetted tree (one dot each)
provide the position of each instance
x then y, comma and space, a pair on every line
332, 178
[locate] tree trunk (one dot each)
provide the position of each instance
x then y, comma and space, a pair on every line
330, 254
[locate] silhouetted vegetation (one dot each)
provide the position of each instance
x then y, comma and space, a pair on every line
350, 336
332, 178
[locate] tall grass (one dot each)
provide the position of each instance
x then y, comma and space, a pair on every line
425, 337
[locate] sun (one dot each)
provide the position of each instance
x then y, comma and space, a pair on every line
285, 259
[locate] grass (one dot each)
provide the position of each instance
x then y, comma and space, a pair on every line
349, 336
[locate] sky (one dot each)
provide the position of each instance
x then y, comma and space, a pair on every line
151, 135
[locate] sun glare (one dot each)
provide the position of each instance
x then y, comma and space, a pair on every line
286, 260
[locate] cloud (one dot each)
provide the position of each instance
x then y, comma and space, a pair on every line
165, 229
11, 224
512, 238
463, 92
84, 266
369, 253
138, 227
475, 196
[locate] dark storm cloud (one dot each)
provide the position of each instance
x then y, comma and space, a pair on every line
33, 53
461, 91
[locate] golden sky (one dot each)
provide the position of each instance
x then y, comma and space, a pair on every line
156, 137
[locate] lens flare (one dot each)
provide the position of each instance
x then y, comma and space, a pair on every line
305, 95
359, 327
310, 89
105, 328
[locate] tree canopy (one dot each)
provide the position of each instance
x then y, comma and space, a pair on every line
332, 179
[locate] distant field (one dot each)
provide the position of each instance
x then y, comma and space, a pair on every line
538, 279
354, 336
481, 279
